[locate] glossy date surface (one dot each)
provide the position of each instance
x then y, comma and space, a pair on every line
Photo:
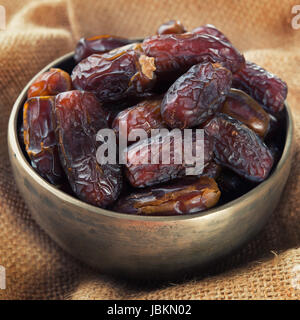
239, 148
242, 107
50, 83
115, 75
39, 138
79, 116
262, 85
196, 95
211, 30
176, 53
145, 115
98, 44
175, 198
141, 173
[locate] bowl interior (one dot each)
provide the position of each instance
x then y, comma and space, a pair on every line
67, 63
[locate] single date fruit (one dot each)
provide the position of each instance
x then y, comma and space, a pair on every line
262, 85
196, 95
177, 198
162, 158
79, 116
98, 44
115, 75
239, 148
39, 138
145, 115
50, 83
171, 27
241, 106
176, 53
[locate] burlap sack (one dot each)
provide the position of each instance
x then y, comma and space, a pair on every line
39, 31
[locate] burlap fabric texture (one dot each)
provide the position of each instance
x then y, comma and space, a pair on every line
38, 32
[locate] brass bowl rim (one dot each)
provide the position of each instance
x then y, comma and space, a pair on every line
13, 142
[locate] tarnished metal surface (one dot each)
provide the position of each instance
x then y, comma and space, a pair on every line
138, 246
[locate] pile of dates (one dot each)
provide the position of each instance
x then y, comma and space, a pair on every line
172, 80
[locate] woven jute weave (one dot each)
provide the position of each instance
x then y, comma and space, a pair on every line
38, 32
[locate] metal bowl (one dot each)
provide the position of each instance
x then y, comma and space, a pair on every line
139, 246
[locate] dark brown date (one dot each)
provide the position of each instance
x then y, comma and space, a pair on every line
142, 172
239, 148
196, 95
176, 53
176, 198
145, 115
99, 44
241, 106
50, 83
79, 116
115, 75
262, 85
171, 27
39, 138
211, 30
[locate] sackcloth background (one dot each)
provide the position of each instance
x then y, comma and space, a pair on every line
38, 32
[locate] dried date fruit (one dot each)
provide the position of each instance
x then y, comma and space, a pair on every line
211, 30
115, 75
196, 95
39, 138
157, 159
176, 198
50, 83
239, 148
262, 85
79, 116
171, 27
145, 115
176, 53
98, 44
241, 106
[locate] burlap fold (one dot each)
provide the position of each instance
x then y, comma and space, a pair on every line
38, 32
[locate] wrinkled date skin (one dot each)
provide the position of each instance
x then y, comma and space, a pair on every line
241, 106
171, 27
79, 116
262, 85
50, 83
176, 198
211, 30
98, 44
196, 95
39, 138
115, 75
239, 148
145, 115
176, 53
141, 173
